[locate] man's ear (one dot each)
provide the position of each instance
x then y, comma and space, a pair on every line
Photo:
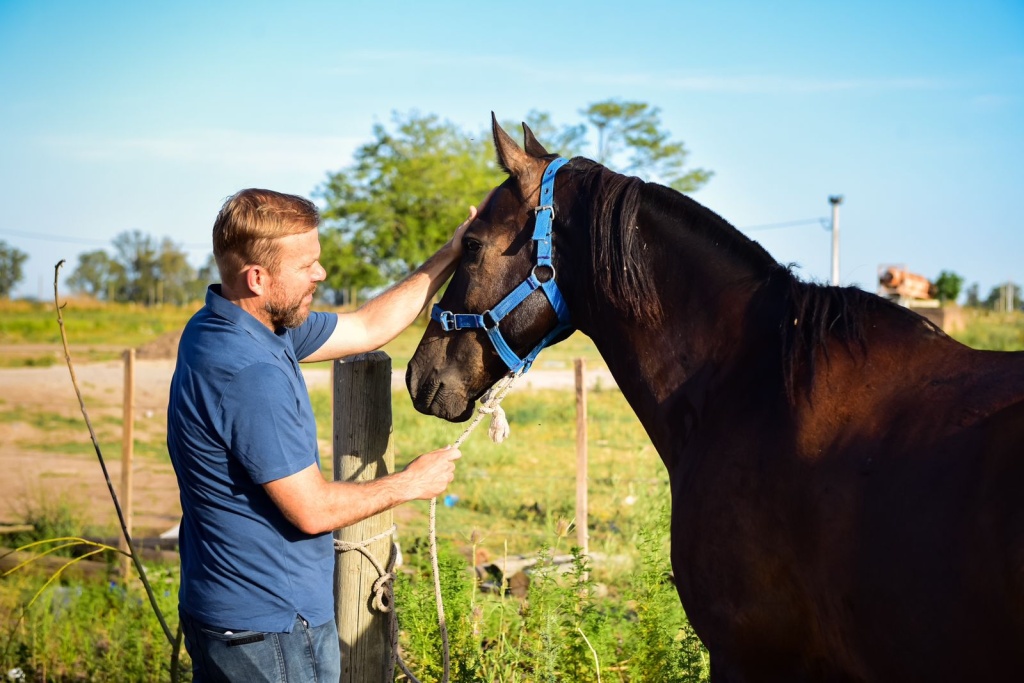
256, 279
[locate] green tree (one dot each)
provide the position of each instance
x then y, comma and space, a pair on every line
567, 141
630, 138
11, 273
176, 278
97, 275
948, 286
404, 196
141, 271
1005, 296
137, 253
971, 297
409, 187
206, 275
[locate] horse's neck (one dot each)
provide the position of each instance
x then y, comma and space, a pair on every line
705, 273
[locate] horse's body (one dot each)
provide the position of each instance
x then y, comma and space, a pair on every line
847, 481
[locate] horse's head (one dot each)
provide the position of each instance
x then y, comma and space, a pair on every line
502, 305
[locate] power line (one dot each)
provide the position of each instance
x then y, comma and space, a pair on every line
80, 240
47, 237
824, 222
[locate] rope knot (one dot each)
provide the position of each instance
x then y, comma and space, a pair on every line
383, 592
383, 585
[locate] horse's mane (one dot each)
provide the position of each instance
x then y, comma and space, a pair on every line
808, 315
617, 262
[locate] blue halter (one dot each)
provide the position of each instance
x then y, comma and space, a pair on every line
489, 320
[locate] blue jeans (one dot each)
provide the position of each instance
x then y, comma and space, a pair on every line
306, 655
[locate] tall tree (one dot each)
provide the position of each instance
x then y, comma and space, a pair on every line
971, 296
630, 139
1003, 297
141, 271
409, 186
567, 141
137, 253
97, 275
11, 273
403, 197
176, 277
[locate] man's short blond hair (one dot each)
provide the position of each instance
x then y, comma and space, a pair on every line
250, 223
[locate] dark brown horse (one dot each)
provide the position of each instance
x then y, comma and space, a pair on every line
847, 481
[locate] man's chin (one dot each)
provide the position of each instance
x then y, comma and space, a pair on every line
290, 319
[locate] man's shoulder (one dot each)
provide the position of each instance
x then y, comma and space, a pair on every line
219, 348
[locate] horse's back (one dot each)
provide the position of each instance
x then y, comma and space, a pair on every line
899, 523
941, 550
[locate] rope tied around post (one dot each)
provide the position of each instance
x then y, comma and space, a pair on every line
383, 586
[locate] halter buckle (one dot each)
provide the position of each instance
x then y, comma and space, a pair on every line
448, 321
546, 207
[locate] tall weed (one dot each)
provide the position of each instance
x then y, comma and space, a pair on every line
417, 614
86, 631
661, 642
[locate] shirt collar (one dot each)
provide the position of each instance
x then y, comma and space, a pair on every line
242, 318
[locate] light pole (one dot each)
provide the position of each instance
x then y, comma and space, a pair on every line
835, 200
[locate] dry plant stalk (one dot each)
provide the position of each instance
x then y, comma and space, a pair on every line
173, 639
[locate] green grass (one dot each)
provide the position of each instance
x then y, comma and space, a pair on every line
86, 631
89, 322
993, 331
514, 498
517, 493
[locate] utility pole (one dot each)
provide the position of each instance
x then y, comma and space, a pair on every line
835, 200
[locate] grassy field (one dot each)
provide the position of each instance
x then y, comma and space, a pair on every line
613, 618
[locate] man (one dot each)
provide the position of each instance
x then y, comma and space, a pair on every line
257, 555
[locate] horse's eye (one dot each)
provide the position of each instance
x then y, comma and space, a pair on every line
470, 245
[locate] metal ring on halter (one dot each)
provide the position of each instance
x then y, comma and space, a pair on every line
546, 207
550, 266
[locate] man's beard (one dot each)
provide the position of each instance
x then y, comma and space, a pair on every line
288, 316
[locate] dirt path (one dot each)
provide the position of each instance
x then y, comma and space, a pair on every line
34, 472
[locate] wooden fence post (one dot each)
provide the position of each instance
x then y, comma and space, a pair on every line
582, 533
127, 454
363, 450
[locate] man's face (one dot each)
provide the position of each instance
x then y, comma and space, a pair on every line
290, 293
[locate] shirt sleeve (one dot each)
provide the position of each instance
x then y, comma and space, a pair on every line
312, 334
263, 424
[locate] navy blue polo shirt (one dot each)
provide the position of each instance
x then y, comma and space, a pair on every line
238, 417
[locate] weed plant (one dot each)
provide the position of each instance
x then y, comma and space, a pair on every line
50, 517
86, 631
635, 632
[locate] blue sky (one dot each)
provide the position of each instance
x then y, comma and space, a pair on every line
124, 116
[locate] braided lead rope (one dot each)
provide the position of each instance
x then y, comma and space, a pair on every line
383, 586
499, 430
491, 405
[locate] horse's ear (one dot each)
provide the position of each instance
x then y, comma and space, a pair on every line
511, 158
533, 148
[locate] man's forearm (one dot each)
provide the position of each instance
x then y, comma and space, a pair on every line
386, 315
348, 502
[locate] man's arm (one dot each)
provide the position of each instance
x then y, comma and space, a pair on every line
384, 317
314, 505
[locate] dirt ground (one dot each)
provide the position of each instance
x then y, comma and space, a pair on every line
34, 475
